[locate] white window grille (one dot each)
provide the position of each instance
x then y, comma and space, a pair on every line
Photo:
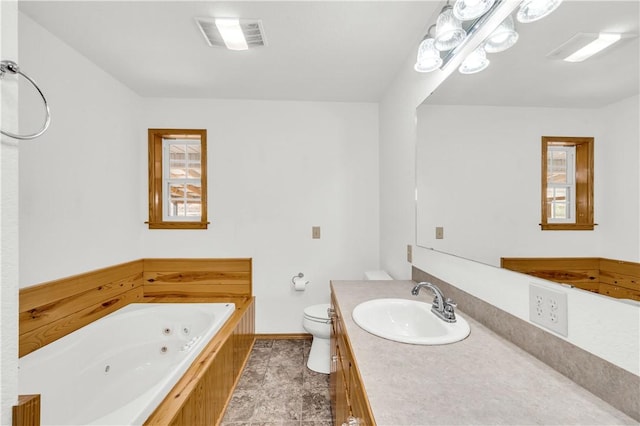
181, 180
561, 184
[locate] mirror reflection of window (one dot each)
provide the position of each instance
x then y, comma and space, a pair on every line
560, 184
567, 183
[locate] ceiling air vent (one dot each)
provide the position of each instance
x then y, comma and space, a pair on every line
251, 28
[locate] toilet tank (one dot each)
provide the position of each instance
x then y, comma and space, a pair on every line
377, 275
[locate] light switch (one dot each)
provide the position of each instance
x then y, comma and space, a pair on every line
439, 232
315, 232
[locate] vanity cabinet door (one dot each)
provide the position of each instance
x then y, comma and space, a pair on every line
358, 400
333, 377
338, 383
341, 411
348, 400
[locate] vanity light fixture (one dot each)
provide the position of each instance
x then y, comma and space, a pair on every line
475, 62
231, 33
428, 58
502, 37
533, 10
603, 41
449, 31
465, 10
457, 24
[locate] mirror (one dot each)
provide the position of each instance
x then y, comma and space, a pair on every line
478, 150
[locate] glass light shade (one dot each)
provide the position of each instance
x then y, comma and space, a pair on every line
533, 10
428, 56
449, 32
502, 37
466, 10
475, 62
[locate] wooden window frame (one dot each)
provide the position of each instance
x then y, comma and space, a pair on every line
156, 201
583, 198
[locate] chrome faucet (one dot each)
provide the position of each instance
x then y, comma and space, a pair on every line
443, 308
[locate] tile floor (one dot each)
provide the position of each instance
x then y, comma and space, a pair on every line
277, 388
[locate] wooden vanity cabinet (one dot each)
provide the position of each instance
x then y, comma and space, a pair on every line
349, 402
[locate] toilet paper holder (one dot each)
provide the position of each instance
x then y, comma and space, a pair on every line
293, 279
299, 284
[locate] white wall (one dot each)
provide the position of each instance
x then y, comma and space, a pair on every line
481, 181
8, 216
614, 338
617, 163
79, 182
275, 170
397, 147
398, 164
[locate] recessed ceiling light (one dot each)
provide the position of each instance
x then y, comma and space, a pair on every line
583, 45
603, 41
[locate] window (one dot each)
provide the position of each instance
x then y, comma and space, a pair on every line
561, 184
567, 183
177, 179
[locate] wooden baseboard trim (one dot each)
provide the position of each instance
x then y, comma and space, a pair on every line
284, 336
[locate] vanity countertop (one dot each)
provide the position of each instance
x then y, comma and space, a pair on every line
481, 380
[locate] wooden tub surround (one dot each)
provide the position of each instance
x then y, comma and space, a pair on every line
615, 278
201, 395
52, 310
27, 411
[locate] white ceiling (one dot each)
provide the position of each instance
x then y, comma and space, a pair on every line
346, 51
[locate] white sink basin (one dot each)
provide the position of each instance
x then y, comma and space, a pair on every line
408, 321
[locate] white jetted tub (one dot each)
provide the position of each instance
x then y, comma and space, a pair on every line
115, 371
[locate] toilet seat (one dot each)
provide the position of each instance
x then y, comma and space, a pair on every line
317, 312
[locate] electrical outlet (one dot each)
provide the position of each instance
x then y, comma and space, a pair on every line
548, 308
409, 253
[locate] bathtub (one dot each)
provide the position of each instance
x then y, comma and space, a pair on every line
115, 371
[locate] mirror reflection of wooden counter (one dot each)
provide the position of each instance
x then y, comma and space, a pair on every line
615, 278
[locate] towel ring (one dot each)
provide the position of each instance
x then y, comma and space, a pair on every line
13, 68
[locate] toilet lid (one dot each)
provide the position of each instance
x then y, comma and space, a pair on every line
317, 311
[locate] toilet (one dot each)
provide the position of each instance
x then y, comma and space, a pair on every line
377, 276
318, 324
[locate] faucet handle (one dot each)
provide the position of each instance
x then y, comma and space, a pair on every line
449, 312
450, 303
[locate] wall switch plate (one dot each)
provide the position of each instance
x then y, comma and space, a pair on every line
409, 253
439, 232
315, 232
548, 308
